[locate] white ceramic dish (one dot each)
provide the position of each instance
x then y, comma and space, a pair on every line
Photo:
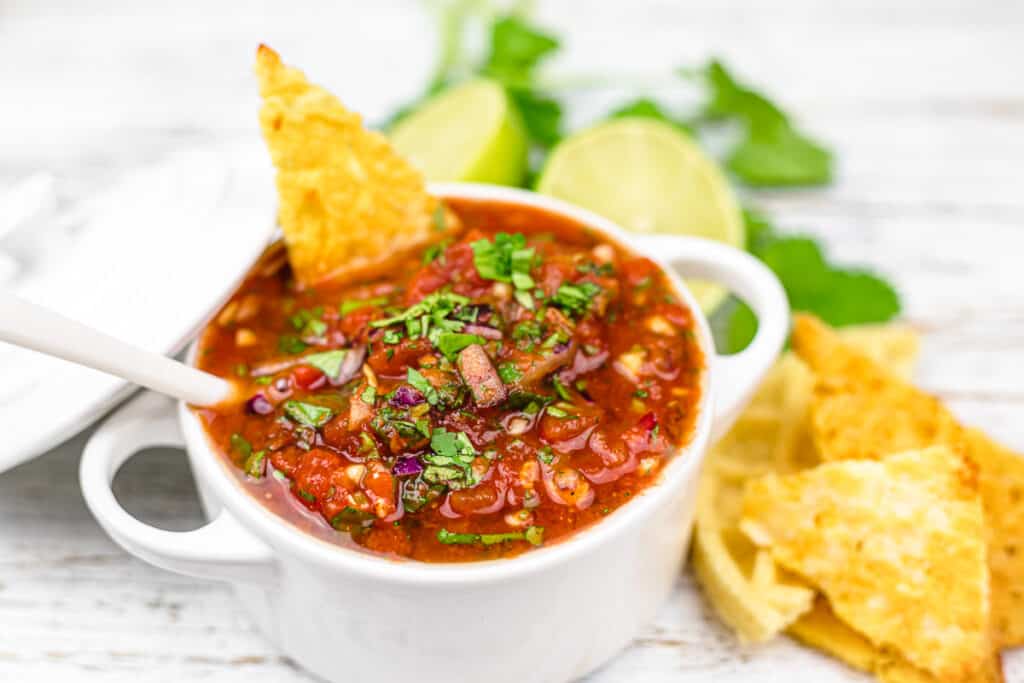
142, 230
552, 614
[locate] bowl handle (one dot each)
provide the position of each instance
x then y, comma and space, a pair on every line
735, 377
221, 549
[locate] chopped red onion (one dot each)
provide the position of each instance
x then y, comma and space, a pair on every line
273, 367
407, 467
406, 397
483, 331
350, 365
259, 405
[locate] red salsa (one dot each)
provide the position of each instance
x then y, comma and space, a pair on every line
477, 399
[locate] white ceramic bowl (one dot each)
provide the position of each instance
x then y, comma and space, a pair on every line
552, 614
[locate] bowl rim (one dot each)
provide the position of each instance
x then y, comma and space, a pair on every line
285, 538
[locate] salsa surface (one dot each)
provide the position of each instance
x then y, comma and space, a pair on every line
472, 401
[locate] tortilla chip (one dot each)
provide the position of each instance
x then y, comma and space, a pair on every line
348, 201
820, 629
751, 594
862, 411
897, 546
1002, 493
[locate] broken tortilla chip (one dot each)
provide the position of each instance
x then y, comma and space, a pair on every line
746, 588
897, 546
348, 201
819, 628
861, 410
1002, 494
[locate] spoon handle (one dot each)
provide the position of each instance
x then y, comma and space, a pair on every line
31, 326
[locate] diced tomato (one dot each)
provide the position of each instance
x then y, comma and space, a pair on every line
312, 477
307, 377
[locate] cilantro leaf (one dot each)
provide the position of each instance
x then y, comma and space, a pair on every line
450, 343
327, 362
450, 460
542, 116
771, 152
436, 305
509, 373
420, 383
516, 49
575, 299
350, 305
308, 414
839, 296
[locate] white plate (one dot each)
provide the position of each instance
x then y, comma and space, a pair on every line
149, 262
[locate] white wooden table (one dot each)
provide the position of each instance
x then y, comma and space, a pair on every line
923, 101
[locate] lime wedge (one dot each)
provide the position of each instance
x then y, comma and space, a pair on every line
471, 132
648, 176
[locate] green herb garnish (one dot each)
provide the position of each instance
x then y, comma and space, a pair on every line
308, 414
509, 373
240, 445
420, 383
450, 460
288, 343
450, 343
575, 299
327, 362
350, 305
533, 535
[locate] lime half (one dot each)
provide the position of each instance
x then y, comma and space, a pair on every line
648, 176
471, 132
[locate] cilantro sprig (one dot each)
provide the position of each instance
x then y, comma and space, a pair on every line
450, 460
839, 296
534, 535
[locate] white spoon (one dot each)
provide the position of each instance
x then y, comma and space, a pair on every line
34, 327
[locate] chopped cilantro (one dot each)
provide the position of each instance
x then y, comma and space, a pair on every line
308, 414
575, 299
350, 305
450, 459
561, 413
254, 464
506, 259
561, 389
431, 253
546, 455
327, 362
240, 445
369, 395
265, 380
509, 373
306, 496
525, 299
450, 343
291, 344
528, 329
392, 336
640, 393
301, 319
350, 517
435, 306
420, 383
533, 535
